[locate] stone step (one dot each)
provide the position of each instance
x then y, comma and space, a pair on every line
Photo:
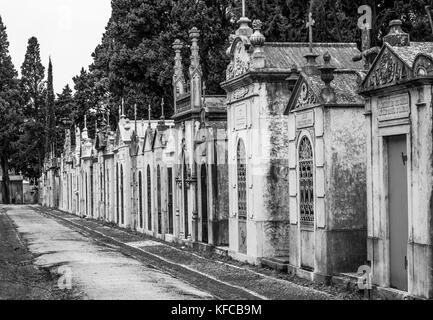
277, 263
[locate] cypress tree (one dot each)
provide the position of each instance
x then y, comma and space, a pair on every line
32, 87
50, 109
9, 110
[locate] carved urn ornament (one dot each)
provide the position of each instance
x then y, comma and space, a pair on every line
257, 39
327, 76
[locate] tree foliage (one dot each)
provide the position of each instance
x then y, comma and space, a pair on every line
31, 144
10, 116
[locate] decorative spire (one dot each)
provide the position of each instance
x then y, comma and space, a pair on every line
195, 69
149, 111
327, 76
178, 77
85, 122
194, 35
122, 116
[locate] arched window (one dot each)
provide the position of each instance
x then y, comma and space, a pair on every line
158, 188
242, 181
121, 195
306, 182
140, 198
149, 199
117, 194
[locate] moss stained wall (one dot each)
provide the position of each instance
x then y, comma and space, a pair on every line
276, 197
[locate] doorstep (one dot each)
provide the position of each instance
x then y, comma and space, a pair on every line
280, 264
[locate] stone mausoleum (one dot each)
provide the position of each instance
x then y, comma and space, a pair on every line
398, 106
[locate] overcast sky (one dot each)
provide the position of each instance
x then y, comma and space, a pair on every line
68, 30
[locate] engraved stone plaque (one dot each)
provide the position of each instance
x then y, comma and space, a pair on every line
240, 117
305, 119
393, 107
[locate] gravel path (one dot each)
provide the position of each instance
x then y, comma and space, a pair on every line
209, 274
98, 271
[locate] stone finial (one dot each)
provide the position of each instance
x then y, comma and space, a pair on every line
327, 76
396, 36
257, 39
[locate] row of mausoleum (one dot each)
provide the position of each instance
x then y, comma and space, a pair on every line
318, 160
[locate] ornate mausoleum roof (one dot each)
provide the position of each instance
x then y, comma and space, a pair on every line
399, 61
285, 55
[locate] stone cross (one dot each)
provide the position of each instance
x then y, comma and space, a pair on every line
243, 8
162, 108
310, 25
204, 93
108, 121
135, 117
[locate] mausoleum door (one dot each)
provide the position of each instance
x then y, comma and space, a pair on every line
185, 199
242, 197
306, 203
398, 210
204, 204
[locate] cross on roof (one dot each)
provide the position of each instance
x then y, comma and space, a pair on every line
162, 108
310, 25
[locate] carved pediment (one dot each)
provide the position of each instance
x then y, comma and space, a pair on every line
387, 70
302, 96
241, 60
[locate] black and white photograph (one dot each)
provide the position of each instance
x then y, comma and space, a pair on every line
216, 156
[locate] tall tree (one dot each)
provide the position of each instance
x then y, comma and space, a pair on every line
33, 92
64, 108
9, 110
50, 129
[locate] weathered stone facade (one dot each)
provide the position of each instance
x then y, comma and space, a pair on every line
290, 167
398, 106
